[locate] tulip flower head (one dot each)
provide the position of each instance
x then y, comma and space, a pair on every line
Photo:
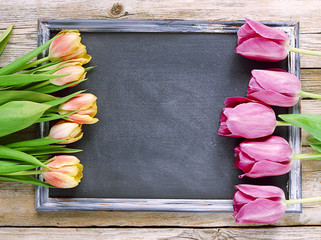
258, 204
274, 87
76, 72
86, 105
64, 172
270, 156
64, 130
242, 117
67, 47
259, 42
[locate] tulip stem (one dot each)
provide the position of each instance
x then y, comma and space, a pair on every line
34, 63
303, 200
45, 83
282, 123
313, 155
22, 173
303, 51
310, 95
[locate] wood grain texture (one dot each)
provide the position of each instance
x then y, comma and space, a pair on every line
280, 233
24, 33
17, 199
17, 209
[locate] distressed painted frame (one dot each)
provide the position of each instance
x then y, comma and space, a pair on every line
42, 200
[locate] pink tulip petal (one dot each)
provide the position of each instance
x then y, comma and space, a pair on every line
257, 191
82, 119
240, 199
245, 32
274, 98
267, 32
273, 148
261, 211
60, 180
231, 102
264, 168
64, 45
251, 120
278, 81
262, 49
245, 162
80, 102
63, 160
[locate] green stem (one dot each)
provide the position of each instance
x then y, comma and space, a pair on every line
34, 63
23, 173
45, 83
310, 95
282, 124
303, 200
303, 51
313, 155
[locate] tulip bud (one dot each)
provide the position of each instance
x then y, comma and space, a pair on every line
259, 42
67, 47
265, 157
86, 105
64, 172
258, 204
274, 87
64, 130
243, 117
75, 71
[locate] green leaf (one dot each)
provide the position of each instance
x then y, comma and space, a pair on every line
10, 139
311, 123
41, 68
313, 140
316, 147
14, 66
17, 79
52, 150
19, 95
36, 148
9, 153
55, 117
4, 38
53, 88
17, 115
35, 143
24, 179
63, 99
5, 169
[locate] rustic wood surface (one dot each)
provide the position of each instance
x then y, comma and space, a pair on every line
18, 219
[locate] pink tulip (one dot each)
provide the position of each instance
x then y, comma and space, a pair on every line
245, 118
258, 204
265, 157
86, 105
274, 87
67, 47
76, 72
259, 42
64, 172
63, 130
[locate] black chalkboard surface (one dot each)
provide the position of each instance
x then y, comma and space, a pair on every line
160, 96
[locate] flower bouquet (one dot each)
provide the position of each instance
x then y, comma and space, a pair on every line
27, 97
252, 118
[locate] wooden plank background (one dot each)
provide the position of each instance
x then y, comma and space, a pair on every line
18, 219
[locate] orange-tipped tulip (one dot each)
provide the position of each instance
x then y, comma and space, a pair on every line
64, 172
76, 72
67, 47
86, 105
64, 130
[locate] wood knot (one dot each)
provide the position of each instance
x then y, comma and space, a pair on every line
117, 9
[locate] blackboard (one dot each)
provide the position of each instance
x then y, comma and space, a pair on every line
160, 96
